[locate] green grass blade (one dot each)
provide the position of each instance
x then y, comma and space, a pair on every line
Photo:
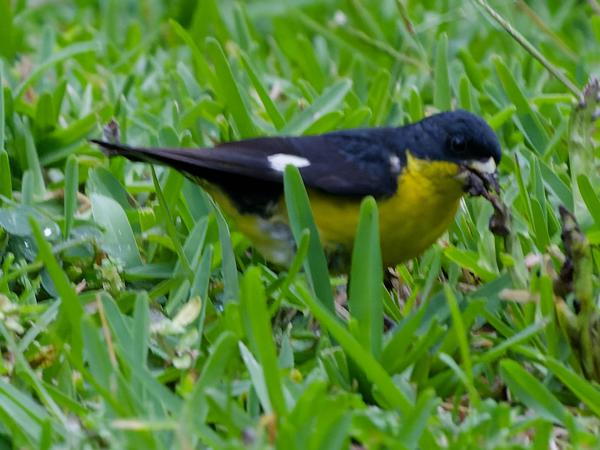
366, 279
469, 260
97, 356
363, 358
294, 269
33, 163
141, 329
465, 97
402, 338
230, 274
501, 117
583, 390
7, 30
583, 158
202, 69
119, 241
6, 179
44, 113
301, 218
2, 112
472, 70
19, 420
528, 390
415, 105
531, 125
590, 198
71, 311
212, 372
331, 98
66, 53
379, 97
101, 181
170, 224
524, 335
463, 343
199, 287
416, 424
540, 226
442, 93
230, 90
71, 191
529, 48
276, 117
254, 305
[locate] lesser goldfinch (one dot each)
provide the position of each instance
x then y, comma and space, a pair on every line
417, 173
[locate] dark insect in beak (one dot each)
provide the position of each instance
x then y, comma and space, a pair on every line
484, 183
476, 183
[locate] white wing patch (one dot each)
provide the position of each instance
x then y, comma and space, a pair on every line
395, 163
279, 161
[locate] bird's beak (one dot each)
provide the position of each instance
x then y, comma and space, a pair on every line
477, 175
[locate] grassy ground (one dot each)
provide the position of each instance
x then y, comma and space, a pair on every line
133, 317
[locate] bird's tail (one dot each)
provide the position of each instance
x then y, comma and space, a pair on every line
132, 153
197, 162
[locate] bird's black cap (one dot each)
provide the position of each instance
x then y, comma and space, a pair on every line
455, 136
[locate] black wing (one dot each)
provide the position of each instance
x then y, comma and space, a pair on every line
353, 162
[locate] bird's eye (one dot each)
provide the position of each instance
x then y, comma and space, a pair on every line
458, 144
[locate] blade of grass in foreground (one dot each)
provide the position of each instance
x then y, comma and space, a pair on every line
327, 102
71, 183
366, 278
294, 269
118, 238
363, 358
528, 46
33, 161
23, 420
195, 408
463, 343
582, 388
6, 178
2, 113
301, 218
441, 93
531, 392
230, 275
276, 118
582, 152
230, 90
170, 224
530, 122
591, 200
254, 304
64, 54
71, 311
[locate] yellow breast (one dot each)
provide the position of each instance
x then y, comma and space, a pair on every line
410, 221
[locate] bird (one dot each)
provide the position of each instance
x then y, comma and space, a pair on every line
417, 174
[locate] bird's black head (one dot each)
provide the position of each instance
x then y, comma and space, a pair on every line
459, 136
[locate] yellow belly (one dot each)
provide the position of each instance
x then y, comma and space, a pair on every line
410, 221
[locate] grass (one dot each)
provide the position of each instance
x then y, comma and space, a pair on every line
133, 314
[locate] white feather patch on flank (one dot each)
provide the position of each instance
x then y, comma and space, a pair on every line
279, 161
395, 163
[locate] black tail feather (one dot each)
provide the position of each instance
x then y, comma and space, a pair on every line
197, 162
113, 149
232, 172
